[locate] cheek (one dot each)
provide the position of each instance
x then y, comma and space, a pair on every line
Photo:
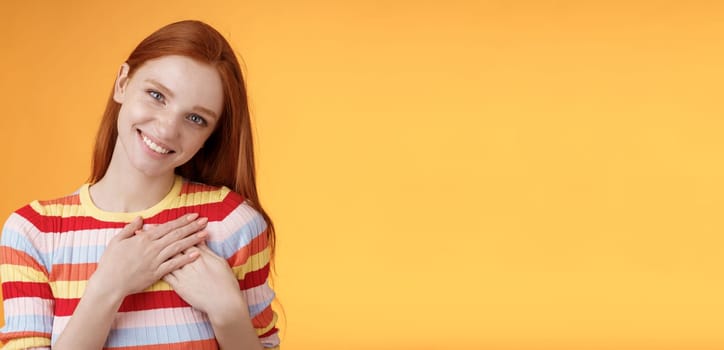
135, 111
194, 141
126, 115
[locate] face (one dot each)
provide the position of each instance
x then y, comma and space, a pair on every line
169, 107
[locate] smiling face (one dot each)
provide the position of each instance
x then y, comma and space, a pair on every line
169, 107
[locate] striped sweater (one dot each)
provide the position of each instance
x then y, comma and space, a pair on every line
49, 249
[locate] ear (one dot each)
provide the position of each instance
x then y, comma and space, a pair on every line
119, 89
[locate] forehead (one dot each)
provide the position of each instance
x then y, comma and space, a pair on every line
191, 82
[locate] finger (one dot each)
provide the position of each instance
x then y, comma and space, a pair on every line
181, 245
193, 248
170, 278
204, 248
130, 229
145, 228
175, 263
161, 230
184, 231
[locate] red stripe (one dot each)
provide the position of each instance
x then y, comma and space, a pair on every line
254, 278
159, 299
13, 256
72, 199
213, 211
133, 302
258, 244
72, 272
263, 319
196, 187
6, 337
53, 223
269, 333
26, 289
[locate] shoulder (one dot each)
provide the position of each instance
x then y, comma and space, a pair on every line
220, 203
233, 222
38, 214
240, 218
27, 231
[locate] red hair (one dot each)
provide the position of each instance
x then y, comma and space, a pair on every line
227, 158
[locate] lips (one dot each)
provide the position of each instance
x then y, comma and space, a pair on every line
154, 146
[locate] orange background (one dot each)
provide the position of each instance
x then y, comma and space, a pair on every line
443, 174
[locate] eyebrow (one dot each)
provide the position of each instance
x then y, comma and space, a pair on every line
168, 92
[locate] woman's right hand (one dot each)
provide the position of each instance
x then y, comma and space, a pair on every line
134, 260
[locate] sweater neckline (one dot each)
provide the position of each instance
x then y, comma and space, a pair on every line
98, 213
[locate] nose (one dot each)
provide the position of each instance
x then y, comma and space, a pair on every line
167, 125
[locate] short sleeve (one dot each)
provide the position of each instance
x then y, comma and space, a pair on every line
27, 297
247, 250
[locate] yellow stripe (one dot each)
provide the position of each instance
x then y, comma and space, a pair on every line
204, 197
62, 210
37, 207
160, 285
24, 343
260, 331
21, 273
182, 200
75, 289
254, 262
68, 289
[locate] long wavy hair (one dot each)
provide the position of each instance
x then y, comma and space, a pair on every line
227, 158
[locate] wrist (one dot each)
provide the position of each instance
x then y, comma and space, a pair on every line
97, 289
229, 311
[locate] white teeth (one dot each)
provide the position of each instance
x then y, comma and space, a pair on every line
156, 148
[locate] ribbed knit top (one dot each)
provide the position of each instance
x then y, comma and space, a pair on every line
49, 249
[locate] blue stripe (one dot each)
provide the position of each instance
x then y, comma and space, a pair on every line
159, 335
78, 254
243, 235
28, 323
258, 308
19, 241
65, 255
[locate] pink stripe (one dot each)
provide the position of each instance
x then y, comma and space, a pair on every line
28, 306
270, 341
259, 295
146, 318
220, 230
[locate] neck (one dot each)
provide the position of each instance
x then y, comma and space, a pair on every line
125, 190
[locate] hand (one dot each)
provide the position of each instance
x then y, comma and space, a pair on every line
209, 285
136, 259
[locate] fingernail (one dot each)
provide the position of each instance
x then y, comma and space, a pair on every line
192, 217
202, 221
203, 234
193, 255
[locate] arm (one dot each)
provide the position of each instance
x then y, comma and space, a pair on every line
236, 263
224, 303
27, 297
233, 326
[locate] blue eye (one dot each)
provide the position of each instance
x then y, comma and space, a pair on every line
156, 95
197, 119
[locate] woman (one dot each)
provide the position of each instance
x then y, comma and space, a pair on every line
167, 246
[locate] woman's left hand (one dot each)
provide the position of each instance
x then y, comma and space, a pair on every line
209, 285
